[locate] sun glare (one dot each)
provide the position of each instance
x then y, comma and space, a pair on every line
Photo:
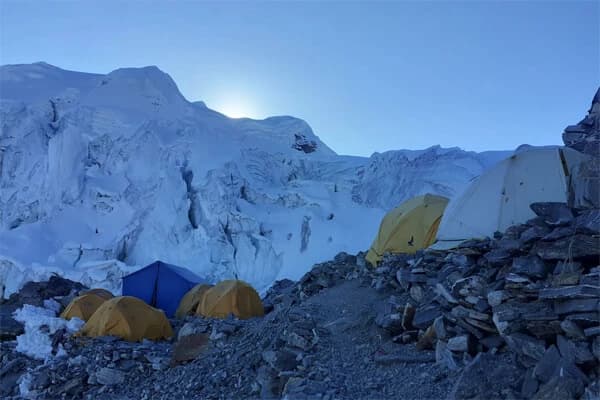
236, 109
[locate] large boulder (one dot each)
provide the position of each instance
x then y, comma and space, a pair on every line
35, 293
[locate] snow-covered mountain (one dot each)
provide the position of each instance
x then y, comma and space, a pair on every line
122, 167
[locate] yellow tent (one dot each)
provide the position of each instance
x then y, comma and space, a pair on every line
105, 294
189, 302
128, 318
409, 227
83, 307
231, 297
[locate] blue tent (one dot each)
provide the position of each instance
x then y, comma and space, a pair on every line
161, 285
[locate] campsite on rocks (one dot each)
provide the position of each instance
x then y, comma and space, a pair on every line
153, 247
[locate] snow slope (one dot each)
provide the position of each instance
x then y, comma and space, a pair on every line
122, 167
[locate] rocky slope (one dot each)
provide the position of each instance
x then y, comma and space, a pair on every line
515, 316
122, 167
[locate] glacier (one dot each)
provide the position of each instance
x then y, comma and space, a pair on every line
103, 173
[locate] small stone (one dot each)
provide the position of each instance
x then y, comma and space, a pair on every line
566, 348
589, 219
530, 385
471, 325
559, 387
295, 340
426, 341
577, 305
9, 327
15, 365
157, 362
92, 380
510, 245
228, 328
546, 367
516, 281
554, 213
544, 329
527, 345
498, 257
593, 278
565, 279
345, 258
593, 331
192, 328
390, 322
563, 267
70, 387
531, 266
417, 293
570, 292
424, 316
590, 319
559, 233
463, 312
402, 357
572, 330
442, 291
407, 316
592, 392
534, 233
578, 247
492, 342
596, 347
283, 360
443, 356
189, 347
459, 343
496, 297
405, 276
583, 355
293, 387
488, 376
108, 376
440, 329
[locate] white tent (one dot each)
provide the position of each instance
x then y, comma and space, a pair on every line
501, 196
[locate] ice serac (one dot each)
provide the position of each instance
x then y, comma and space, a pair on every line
391, 177
122, 167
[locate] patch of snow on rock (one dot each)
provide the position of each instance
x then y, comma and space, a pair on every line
39, 324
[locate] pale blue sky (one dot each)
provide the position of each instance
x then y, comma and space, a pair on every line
367, 76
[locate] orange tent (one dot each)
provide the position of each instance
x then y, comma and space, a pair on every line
83, 307
189, 302
105, 294
128, 318
231, 297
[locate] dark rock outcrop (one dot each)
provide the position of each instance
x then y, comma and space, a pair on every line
585, 137
33, 293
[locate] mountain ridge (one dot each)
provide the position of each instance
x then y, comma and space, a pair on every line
130, 170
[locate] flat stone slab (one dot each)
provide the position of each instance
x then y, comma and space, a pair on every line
577, 305
570, 292
578, 246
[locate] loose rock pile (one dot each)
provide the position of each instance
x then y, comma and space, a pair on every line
515, 316
534, 290
317, 341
